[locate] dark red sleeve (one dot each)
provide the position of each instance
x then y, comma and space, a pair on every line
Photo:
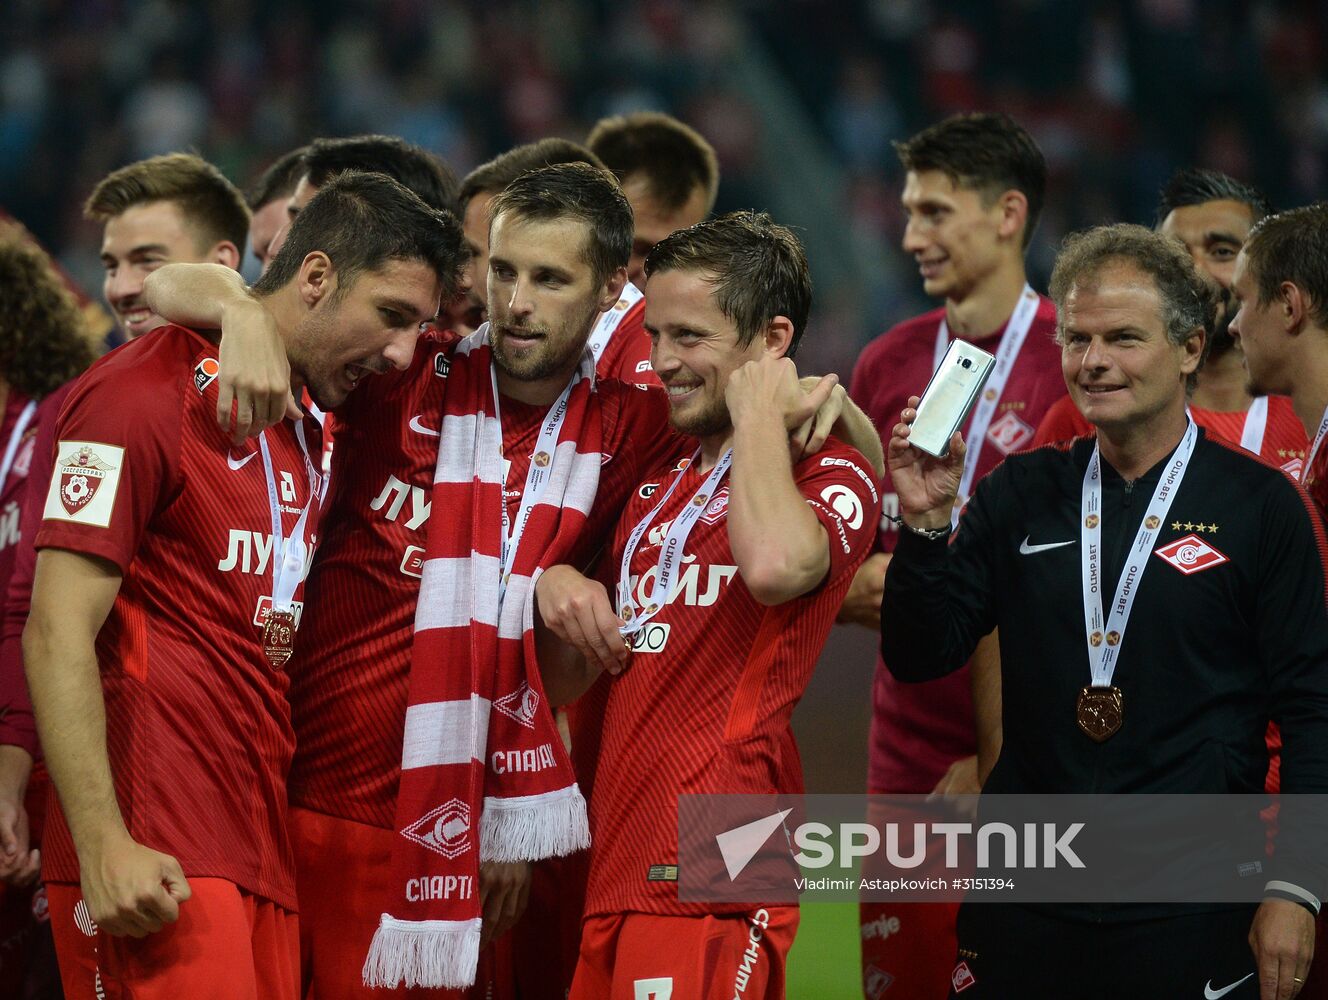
17, 727
115, 459
840, 487
627, 355
1062, 423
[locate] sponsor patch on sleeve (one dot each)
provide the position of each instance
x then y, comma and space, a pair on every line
85, 482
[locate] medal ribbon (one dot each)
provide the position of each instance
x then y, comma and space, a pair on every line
671, 551
610, 318
1110, 634
1256, 420
1006, 355
11, 449
537, 476
1314, 449
288, 555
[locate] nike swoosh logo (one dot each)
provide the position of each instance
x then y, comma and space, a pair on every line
1027, 550
417, 425
239, 463
1212, 994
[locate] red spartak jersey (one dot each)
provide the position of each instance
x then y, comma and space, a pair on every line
352, 665
1284, 443
197, 724
17, 727
705, 703
919, 730
348, 675
626, 357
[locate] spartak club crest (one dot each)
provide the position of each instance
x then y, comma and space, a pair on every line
81, 475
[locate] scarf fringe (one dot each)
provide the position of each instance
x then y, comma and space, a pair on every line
434, 953
530, 827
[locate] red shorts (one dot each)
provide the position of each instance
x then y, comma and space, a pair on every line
908, 949
227, 945
343, 873
645, 956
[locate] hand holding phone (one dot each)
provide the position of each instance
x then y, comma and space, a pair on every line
950, 396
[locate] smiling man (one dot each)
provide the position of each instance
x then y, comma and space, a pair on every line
776, 541
1211, 622
973, 189
167, 595
173, 208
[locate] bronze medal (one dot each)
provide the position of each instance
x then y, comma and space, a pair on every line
278, 636
1098, 712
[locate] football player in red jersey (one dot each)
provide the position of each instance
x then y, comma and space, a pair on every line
478, 189
156, 646
776, 539
618, 340
974, 187
168, 208
668, 171
267, 201
352, 676
1281, 287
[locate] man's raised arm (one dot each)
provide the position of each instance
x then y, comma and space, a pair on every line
254, 382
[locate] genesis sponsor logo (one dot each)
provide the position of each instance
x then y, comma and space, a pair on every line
845, 503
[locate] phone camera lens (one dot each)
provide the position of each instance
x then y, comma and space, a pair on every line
967, 363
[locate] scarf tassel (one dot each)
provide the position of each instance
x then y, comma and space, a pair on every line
433, 953
529, 827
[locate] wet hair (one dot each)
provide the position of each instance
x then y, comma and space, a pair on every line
363, 221
579, 191
758, 269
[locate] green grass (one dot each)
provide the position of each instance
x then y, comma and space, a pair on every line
824, 962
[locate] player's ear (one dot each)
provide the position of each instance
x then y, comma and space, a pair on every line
317, 278
1292, 305
612, 290
779, 336
226, 253
1014, 215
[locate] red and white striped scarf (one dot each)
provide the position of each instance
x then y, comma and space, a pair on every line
475, 691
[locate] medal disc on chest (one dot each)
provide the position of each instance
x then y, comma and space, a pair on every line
1098, 712
278, 636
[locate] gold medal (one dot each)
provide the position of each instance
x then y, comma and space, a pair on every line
278, 636
1098, 712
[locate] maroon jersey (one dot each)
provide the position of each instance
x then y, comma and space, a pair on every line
352, 665
197, 726
919, 730
705, 703
348, 675
626, 357
17, 726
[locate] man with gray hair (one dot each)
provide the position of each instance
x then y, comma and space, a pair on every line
1226, 629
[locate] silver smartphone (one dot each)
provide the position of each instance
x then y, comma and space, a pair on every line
950, 396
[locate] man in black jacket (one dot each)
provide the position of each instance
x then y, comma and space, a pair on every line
1214, 561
